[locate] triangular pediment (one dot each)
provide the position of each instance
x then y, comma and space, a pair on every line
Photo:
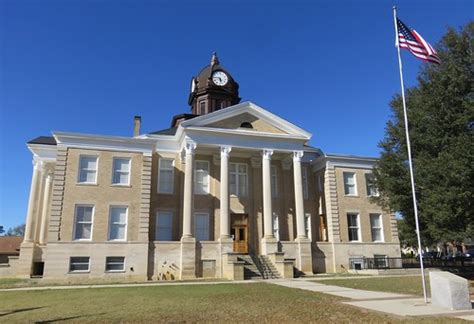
247, 117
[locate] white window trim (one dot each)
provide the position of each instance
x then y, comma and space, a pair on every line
129, 171
308, 223
124, 266
367, 175
276, 225
359, 234
80, 271
304, 173
356, 192
208, 225
237, 184
96, 169
156, 225
110, 223
75, 222
381, 227
207, 192
274, 180
172, 177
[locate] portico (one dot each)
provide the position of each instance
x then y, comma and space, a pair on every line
244, 213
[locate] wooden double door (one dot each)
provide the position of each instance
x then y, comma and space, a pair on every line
240, 232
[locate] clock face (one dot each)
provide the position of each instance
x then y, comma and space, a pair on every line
220, 78
193, 85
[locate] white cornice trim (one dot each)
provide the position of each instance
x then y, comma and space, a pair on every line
245, 132
344, 161
253, 109
43, 152
105, 142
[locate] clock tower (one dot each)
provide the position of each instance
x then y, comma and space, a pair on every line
213, 89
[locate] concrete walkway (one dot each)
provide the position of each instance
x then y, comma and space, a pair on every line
336, 290
391, 303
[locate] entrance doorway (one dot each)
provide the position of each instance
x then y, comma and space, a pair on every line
240, 232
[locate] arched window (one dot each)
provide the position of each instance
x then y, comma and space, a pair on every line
246, 125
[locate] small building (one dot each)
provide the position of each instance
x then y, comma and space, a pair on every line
229, 190
9, 247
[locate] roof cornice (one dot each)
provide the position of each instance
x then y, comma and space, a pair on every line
251, 108
105, 142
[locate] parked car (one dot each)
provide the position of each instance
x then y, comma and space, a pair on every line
469, 254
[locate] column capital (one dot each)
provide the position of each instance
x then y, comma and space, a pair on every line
225, 150
267, 154
190, 147
297, 156
49, 175
37, 164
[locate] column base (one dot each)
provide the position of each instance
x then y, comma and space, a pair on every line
304, 260
188, 258
25, 261
269, 245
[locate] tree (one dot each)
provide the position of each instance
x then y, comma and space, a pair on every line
16, 231
441, 125
2, 229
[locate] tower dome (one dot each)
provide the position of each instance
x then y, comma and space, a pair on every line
212, 89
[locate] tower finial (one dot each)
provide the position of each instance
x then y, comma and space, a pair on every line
214, 59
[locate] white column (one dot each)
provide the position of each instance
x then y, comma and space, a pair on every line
299, 203
224, 197
44, 212
30, 218
190, 149
267, 194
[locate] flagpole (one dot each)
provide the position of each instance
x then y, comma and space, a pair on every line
410, 164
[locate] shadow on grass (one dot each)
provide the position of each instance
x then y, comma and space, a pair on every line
20, 310
65, 318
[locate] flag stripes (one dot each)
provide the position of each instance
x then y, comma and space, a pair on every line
412, 41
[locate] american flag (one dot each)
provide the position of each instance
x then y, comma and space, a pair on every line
411, 40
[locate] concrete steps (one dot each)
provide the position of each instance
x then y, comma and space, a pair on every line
258, 267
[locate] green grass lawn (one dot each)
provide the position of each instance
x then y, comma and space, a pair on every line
404, 285
257, 302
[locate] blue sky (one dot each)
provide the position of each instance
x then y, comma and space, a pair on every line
90, 66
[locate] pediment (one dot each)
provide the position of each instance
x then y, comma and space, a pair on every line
247, 117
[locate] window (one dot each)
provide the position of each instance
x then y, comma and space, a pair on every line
83, 222
246, 125
370, 184
350, 184
79, 264
87, 169
381, 261
202, 108
307, 225
164, 226
320, 182
274, 181
166, 176
201, 226
305, 182
201, 178
121, 171
353, 226
376, 227
118, 223
238, 179
276, 226
114, 264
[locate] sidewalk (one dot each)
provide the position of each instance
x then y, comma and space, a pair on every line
391, 303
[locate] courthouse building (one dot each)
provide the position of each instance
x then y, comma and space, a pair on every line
230, 190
